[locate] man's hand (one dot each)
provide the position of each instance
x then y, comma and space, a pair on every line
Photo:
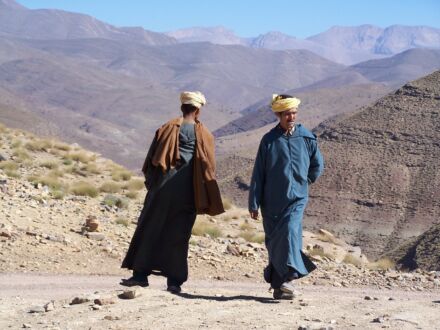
254, 214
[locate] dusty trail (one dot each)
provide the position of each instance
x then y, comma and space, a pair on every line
209, 304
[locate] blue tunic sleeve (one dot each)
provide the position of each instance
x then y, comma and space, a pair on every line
316, 160
258, 178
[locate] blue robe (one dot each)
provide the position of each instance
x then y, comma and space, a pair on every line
284, 168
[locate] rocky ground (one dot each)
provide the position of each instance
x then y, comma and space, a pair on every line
59, 242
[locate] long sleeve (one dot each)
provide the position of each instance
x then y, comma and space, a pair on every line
148, 167
316, 161
258, 178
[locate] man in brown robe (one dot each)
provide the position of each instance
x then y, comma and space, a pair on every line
180, 177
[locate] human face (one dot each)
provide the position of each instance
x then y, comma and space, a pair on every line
287, 118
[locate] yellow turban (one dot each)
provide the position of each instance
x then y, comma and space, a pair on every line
279, 105
194, 98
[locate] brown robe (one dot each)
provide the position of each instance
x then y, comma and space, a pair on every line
164, 153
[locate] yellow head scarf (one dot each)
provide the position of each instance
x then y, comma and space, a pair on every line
279, 104
196, 98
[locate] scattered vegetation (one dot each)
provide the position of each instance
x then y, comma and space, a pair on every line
122, 221
227, 204
121, 175
202, 229
110, 187
382, 264
80, 156
112, 200
352, 259
252, 236
50, 164
83, 188
131, 194
8, 165
318, 251
39, 145
134, 185
21, 155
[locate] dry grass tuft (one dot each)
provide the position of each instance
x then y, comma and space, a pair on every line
227, 204
131, 194
134, 185
112, 200
8, 165
202, 229
382, 264
121, 175
252, 236
122, 221
352, 260
110, 187
12, 174
83, 188
80, 156
39, 145
320, 252
50, 164
21, 155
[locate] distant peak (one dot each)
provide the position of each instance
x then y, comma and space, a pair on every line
11, 4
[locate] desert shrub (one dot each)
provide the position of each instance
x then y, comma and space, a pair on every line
227, 204
122, 221
16, 143
57, 194
55, 173
80, 156
8, 165
52, 182
134, 185
83, 188
50, 164
352, 259
131, 194
382, 264
321, 253
110, 187
67, 162
3, 128
92, 168
253, 237
246, 226
12, 174
21, 154
61, 146
112, 200
121, 175
203, 228
39, 145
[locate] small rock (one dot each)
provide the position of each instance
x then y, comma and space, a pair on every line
26, 326
111, 317
79, 300
50, 306
368, 298
96, 236
36, 309
130, 294
104, 301
378, 320
96, 307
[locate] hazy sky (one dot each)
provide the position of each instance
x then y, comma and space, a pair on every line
249, 18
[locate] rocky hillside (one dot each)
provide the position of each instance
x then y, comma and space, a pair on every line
379, 187
420, 252
67, 210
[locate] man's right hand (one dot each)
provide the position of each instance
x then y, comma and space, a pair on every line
254, 214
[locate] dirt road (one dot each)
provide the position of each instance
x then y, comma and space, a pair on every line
209, 304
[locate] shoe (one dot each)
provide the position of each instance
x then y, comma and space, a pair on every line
134, 282
278, 294
288, 287
174, 288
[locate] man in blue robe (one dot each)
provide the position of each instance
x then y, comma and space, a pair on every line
288, 160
